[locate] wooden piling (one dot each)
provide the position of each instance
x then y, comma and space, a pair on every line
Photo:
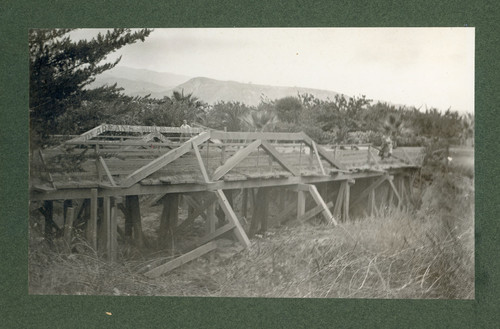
106, 226
68, 227
301, 203
92, 223
244, 203
134, 213
113, 228
261, 212
48, 212
168, 221
340, 200
347, 193
211, 219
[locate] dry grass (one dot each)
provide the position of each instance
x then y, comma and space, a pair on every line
425, 253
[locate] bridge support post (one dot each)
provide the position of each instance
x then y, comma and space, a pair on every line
260, 212
92, 223
168, 221
133, 217
113, 230
347, 196
301, 203
244, 203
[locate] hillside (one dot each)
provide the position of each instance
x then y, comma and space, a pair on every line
211, 91
140, 82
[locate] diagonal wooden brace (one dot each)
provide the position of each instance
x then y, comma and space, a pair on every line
235, 159
324, 153
366, 192
278, 157
319, 201
231, 217
163, 160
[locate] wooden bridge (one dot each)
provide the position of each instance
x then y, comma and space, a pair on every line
107, 168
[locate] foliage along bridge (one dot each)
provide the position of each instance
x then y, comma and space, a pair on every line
106, 169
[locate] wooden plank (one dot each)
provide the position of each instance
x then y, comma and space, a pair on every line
374, 158
134, 210
163, 160
235, 159
278, 157
89, 134
394, 190
168, 221
287, 213
260, 212
367, 191
340, 199
150, 129
106, 225
313, 212
200, 163
301, 203
197, 212
181, 260
221, 135
44, 164
231, 217
68, 226
92, 223
156, 187
106, 169
324, 153
315, 148
244, 203
371, 202
320, 202
211, 219
402, 193
194, 205
113, 241
347, 194
216, 233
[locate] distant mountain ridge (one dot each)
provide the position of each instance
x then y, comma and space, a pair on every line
213, 91
140, 82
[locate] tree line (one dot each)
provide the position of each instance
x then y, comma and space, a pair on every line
61, 102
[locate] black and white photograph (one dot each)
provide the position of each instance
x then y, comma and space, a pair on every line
252, 162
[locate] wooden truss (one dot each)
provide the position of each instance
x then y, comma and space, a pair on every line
128, 161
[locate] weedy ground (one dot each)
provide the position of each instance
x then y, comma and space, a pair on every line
419, 253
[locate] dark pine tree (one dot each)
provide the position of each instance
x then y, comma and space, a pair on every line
61, 69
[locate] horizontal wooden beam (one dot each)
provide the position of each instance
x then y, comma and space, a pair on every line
150, 129
140, 189
221, 135
181, 260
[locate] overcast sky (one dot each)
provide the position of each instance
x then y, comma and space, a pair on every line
421, 67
